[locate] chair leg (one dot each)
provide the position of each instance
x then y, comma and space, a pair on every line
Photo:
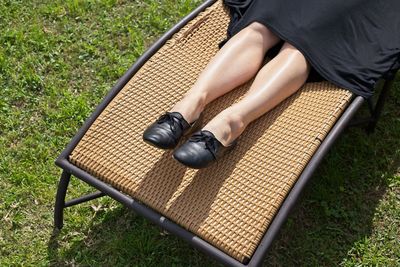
379, 106
60, 199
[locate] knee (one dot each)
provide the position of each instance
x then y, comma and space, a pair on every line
290, 49
257, 28
295, 56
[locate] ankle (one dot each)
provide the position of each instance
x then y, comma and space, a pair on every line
190, 106
236, 126
226, 127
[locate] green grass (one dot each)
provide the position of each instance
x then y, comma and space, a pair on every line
58, 59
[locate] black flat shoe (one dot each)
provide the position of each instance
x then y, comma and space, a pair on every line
168, 129
201, 150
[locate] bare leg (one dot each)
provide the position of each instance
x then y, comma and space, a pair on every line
277, 80
236, 63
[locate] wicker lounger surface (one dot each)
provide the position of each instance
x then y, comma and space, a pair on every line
231, 203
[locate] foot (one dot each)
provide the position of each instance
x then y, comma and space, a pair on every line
168, 129
201, 150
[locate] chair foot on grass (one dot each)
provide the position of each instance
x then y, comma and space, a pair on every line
60, 199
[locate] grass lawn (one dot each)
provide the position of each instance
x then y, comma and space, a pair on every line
58, 59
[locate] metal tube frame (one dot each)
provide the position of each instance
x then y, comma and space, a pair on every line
157, 218
60, 199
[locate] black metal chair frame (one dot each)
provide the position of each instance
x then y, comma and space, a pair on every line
104, 189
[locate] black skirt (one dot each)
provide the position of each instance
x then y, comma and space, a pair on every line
350, 43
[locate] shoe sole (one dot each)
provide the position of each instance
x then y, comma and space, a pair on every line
185, 164
156, 146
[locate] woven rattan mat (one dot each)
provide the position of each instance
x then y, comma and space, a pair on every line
230, 204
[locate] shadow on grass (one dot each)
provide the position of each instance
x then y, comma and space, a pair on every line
121, 238
335, 212
338, 207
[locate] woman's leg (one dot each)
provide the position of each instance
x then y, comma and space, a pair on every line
236, 62
277, 80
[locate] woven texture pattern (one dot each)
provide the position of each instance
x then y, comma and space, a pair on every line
231, 203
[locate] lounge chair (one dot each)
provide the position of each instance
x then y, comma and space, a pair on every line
234, 209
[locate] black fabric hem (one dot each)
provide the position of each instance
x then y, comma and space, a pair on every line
314, 63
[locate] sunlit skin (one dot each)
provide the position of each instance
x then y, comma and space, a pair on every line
236, 62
